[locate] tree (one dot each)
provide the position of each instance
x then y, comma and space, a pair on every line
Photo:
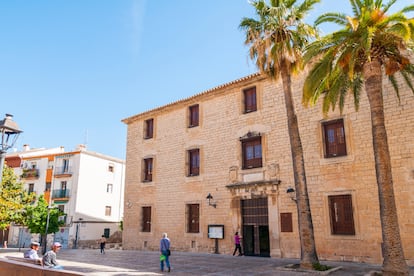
352, 58
38, 221
277, 40
13, 199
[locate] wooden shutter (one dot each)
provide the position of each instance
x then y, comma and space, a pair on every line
194, 162
193, 218
146, 219
252, 153
194, 116
341, 214
149, 128
286, 224
250, 100
148, 169
334, 135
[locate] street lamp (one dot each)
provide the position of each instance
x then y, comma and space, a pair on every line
9, 132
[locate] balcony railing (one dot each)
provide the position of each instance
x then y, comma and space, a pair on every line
60, 194
30, 173
63, 171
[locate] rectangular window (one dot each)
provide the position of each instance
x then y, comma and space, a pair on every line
193, 115
149, 129
109, 188
286, 222
250, 103
334, 138
65, 167
108, 210
31, 188
193, 218
110, 168
147, 173
48, 186
252, 153
341, 215
107, 232
146, 219
193, 162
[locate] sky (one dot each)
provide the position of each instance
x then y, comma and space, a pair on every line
71, 70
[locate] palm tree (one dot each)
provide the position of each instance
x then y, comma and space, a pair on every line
276, 40
355, 57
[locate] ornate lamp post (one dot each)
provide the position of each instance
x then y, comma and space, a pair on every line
9, 132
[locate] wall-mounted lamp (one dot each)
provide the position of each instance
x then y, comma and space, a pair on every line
291, 192
209, 200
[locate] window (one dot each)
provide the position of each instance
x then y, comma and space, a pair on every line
31, 188
61, 208
193, 116
110, 168
334, 138
146, 219
109, 188
252, 153
193, 216
286, 222
108, 210
149, 129
65, 167
250, 104
341, 215
193, 162
107, 232
48, 186
147, 172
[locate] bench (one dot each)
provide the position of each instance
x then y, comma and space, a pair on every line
25, 260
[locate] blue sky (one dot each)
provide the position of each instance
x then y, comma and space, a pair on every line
71, 70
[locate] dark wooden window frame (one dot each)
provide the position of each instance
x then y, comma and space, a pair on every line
252, 152
341, 214
146, 219
148, 168
194, 116
149, 129
250, 99
193, 162
193, 218
334, 139
286, 223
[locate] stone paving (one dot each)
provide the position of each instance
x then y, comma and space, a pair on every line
129, 262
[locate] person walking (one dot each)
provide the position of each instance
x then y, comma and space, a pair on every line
102, 242
237, 244
165, 252
49, 259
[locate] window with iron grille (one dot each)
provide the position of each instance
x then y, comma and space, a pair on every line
341, 215
252, 152
148, 167
334, 138
193, 162
193, 218
193, 116
149, 129
146, 219
250, 104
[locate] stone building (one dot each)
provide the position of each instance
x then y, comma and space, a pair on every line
220, 161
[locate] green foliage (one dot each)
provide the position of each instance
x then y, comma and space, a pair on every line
14, 200
121, 225
37, 217
320, 267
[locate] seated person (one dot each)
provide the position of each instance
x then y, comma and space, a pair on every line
49, 259
32, 253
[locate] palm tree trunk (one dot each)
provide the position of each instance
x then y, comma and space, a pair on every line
394, 262
306, 235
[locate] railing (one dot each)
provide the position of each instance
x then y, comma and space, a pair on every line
63, 171
60, 194
30, 173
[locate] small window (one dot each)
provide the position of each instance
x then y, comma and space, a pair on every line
193, 218
109, 188
149, 129
107, 232
146, 219
193, 162
48, 186
250, 103
108, 210
286, 222
193, 116
31, 188
110, 168
341, 215
61, 208
252, 153
334, 138
147, 172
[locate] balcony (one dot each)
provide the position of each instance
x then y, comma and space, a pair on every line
62, 172
30, 174
60, 194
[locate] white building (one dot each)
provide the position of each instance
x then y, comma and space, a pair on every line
87, 186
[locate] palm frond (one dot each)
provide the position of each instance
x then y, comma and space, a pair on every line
332, 17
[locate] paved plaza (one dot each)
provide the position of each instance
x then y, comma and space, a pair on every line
129, 262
